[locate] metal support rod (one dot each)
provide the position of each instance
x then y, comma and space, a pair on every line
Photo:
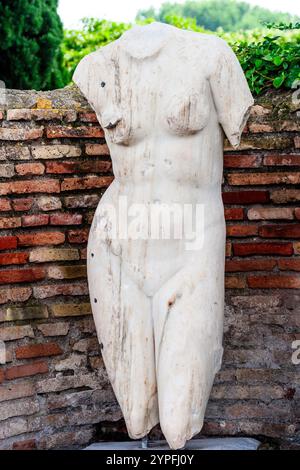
145, 442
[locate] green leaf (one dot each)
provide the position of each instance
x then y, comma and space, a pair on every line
268, 57
277, 60
278, 81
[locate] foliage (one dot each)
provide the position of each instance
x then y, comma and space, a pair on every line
30, 36
268, 60
283, 26
183, 23
273, 61
94, 34
32, 56
230, 15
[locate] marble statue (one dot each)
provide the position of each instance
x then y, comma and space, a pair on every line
163, 96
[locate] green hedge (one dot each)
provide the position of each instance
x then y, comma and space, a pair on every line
270, 56
30, 37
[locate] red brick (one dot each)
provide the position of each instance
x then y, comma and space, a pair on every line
19, 133
1, 376
248, 249
97, 149
87, 117
245, 197
55, 132
89, 216
16, 390
274, 282
21, 275
282, 160
280, 231
45, 291
13, 258
288, 125
289, 264
12, 333
33, 186
235, 282
10, 222
297, 213
7, 243
5, 205
28, 444
44, 255
94, 166
41, 114
234, 213
4, 188
22, 204
54, 329
78, 236
283, 196
82, 201
241, 161
268, 213
73, 184
65, 219
38, 350
35, 220
62, 167
241, 230
67, 272
249, 265
241, 179
30, 169
257, 127
15, 294
228, 249
41, 238
25, 370
214, 428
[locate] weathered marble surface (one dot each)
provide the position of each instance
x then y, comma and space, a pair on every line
163, 96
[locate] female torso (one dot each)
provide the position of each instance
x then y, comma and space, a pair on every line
160, 95
166, 147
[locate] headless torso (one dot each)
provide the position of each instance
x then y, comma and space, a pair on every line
162, 94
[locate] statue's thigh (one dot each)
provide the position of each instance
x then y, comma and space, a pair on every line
122, 315
188, 319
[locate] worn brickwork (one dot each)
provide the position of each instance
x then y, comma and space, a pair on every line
54, 166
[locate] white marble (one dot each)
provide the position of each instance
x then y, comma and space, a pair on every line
164, 96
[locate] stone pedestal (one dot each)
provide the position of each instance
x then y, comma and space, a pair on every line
225, 443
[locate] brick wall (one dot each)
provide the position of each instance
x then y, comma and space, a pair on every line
54, 167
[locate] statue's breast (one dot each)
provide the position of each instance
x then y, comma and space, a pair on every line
140, 98
187, 110
182, 113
